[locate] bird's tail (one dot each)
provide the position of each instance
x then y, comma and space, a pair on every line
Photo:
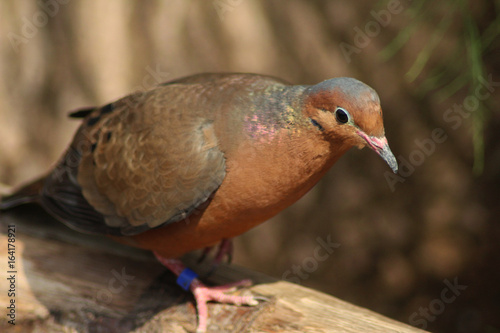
25, 194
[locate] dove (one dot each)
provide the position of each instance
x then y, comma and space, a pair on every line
196, 161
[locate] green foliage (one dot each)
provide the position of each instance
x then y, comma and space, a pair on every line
448, 77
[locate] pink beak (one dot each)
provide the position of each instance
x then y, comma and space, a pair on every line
381, 147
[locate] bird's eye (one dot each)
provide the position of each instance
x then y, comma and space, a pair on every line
341, 115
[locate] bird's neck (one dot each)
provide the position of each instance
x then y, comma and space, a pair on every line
273, 129
290, 154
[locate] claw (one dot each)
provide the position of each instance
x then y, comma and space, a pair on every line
204, 294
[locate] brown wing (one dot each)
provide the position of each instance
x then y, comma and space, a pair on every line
148, 159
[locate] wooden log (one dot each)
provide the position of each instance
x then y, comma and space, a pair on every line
66, 281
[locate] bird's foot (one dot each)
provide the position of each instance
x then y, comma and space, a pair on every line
203, 294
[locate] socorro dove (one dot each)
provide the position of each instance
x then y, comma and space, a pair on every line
198, 160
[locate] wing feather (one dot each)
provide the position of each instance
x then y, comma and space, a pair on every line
148, 159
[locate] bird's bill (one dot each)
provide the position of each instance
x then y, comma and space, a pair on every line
381, 147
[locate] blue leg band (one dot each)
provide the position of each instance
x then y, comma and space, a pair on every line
185, 278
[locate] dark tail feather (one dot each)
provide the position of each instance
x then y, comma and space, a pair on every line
25, 194
81, 113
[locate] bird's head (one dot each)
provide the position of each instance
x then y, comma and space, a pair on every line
348, 111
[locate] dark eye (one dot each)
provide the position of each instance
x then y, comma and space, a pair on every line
341, 115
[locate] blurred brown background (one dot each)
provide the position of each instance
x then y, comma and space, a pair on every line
422, 248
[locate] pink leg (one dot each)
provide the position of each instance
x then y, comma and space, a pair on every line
204, 294
225, 249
